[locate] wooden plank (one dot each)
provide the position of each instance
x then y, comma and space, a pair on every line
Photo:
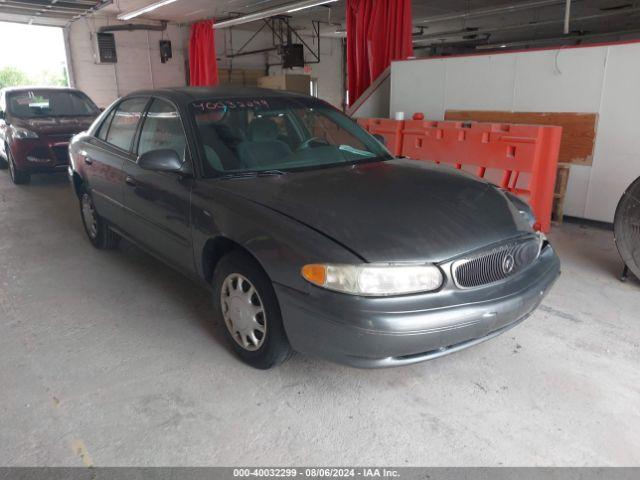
578, 129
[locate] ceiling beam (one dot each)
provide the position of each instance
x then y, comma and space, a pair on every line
434, 37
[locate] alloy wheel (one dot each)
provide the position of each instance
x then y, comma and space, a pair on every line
243, 312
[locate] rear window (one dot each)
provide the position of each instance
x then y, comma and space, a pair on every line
49, 103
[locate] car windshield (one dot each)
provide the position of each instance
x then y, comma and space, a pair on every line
49, 103
253, 135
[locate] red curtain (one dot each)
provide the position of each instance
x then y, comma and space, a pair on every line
378, 31
203, 66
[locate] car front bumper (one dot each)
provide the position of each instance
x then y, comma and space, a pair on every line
385, 332
45, 154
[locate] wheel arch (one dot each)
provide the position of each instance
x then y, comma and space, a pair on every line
217, 247
78, 183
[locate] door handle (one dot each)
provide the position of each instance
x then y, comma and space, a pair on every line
88, 160
130, 181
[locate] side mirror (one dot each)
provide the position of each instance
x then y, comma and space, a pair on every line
164, 160
380, 138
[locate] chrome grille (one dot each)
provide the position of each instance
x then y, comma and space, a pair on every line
496, 264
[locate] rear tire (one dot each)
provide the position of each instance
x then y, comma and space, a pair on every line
97, 230
18, 177
246, 304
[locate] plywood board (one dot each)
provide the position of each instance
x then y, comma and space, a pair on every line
578, 129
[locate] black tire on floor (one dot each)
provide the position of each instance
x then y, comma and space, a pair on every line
275, 347
98, 231
3, 161
18, 177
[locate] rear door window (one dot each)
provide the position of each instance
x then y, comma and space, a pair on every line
125, 121
104, 128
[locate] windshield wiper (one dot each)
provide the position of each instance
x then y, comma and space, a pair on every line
359, 161
260, 173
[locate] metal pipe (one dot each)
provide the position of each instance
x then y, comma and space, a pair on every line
556, 40
567, 15
271, 12
521, 26
485, 12
134, 26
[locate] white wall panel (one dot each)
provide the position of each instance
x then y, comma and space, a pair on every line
418, 86
577, 191
617, 154
480, 83
377, 105
564, 80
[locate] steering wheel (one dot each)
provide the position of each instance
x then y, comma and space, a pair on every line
307, 143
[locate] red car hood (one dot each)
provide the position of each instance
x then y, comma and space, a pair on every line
54, 125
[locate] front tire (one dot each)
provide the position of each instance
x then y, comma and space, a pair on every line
246, 303
97, 230
18, 177
3, 161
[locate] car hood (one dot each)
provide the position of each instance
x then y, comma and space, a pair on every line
393, 211
54, 125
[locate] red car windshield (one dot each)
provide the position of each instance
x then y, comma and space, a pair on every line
49, 103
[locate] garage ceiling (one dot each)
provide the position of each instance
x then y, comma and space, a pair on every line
47, 12
453, 26
442, 27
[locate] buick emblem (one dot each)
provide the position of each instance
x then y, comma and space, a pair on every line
508, 263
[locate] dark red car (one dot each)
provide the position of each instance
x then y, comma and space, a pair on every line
36, 125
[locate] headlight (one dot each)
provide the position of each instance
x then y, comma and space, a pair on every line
542, 241
19, 132
374, 280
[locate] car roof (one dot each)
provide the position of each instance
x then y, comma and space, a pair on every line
193, 94
36, 87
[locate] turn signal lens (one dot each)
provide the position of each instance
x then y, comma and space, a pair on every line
315, 274
375, 280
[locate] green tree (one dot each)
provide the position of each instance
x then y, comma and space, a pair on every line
11, 76
53, 78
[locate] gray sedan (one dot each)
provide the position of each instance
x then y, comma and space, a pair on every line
309, 234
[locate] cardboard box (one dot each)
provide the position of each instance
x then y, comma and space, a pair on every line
290, 83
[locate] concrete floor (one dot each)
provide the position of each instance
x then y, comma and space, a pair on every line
112, 359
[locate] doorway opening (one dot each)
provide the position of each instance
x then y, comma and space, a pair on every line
36, 57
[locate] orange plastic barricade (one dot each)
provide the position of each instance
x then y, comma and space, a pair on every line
522, 159
391, 130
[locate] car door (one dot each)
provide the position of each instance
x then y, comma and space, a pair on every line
157, 204
105, 153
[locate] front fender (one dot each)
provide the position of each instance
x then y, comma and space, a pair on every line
280, 244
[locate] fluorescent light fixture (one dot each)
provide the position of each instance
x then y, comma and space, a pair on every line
272, 12
143, 10
304, 7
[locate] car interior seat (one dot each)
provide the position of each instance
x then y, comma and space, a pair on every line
262, 148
